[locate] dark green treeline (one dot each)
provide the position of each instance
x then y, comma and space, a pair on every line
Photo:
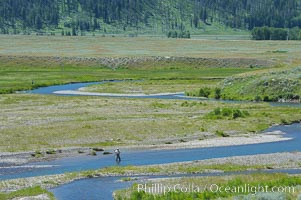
162, 16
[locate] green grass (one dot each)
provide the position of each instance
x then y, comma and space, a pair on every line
95, 121
19, 73
227, 113
167, 169
232, 165
160, 86
146, 46
266, 86
27, 192
204, 184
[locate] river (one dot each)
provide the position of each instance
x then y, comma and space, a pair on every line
101, 188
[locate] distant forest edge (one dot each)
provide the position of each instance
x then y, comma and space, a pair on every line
174, 18
271, 33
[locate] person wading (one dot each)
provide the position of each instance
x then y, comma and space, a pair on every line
117, 155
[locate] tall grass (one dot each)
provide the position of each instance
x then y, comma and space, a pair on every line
27, 192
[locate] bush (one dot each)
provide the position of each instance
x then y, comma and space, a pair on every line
204, 92
51, 151
284, 121
257, 98
266, 98
221, 134
218, 92
175, 34
237, 113
37, 153
227, 112
230, 113
217, 111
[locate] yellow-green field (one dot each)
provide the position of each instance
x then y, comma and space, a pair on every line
33, 122
30, 122
38, 122
278, 51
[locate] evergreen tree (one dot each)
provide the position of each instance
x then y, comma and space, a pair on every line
164, 15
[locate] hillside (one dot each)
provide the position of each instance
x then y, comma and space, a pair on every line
276, 85
72, 17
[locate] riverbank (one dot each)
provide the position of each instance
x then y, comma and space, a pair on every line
263, 163
275, 136
73, 92
21, 158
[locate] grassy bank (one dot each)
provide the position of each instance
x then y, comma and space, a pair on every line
154, 86
31, 192
34, 122
276, 85
24, 73
205, 188
231, 164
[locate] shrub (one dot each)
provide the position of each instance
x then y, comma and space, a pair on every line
202, 129
221, 134
266, 98
185, 104
217, 111
284, 121
51, 151
37, 153
227, 112
257, 98
218, 92
204, 92
175, 34
237, 113
230, 113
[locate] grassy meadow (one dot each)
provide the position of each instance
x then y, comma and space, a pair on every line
28, 62
37, 122
34, 122
271, 85
290, 185
279, 51
25, 60
23, 73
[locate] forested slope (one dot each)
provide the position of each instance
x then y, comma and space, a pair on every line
158, 16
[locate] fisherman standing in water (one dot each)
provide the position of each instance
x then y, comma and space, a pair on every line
117, 155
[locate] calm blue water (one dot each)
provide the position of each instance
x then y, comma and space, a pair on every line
70, 86
160, 156
76, 86
102, 188
90, 189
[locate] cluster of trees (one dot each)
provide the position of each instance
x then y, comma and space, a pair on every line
230, 113
160, 15
271, 33
256, 13
176, 34
206, 92
28, 14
